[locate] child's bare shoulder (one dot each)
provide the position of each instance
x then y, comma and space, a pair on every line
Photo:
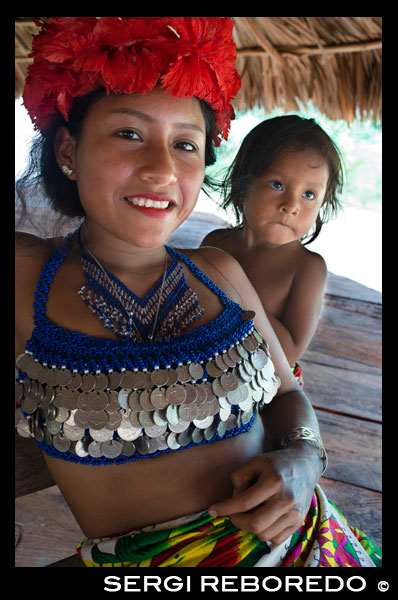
218, 237
312, 264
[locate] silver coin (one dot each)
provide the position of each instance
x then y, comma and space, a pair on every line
97, 420
162, 441
88, 382
39, 434
245, 392
49, 396
64, 377
111, 449
184, 438
221, 428
81, 419
158, 398
140, 380
181, 426
172, 376
98, 400
159, 417
142, 445
259, 359
203, 411
172, 414
217, 388
129, 434
188, 412
26, 386
203, 423
235, 396
134, 401
246, 416
175, 394
250, 343
267, 397
195, 370
61, 442
145, 418
228, 360
101, 382
53, 426
224, 413
257, 395
268, 370
249, 368
123, 396
234, 355
172, 441
183, 373
75, 382
220, 362
71, 399
241, 351
23, 361
62, 415
197, 435
134, 420
145, 400
152, 445
243, 374
127, 379
128, 448
229, 381
113, 402
212, 369
73, 432
23, 428
257, 335
213, 406
42, 374
95, 449
33, 369
83, 402
190, 393
248, 315
155, 431
52, 376
81, 449
223, 402
246, 404
28, 405
114, 420
231, 422
201, 393
114, 379
210, 431
159, 377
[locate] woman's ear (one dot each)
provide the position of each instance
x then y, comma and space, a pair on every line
64, 148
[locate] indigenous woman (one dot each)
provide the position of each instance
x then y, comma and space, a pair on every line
150, 378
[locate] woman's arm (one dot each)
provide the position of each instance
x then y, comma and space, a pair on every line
271, 492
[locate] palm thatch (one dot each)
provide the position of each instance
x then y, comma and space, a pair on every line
335, 62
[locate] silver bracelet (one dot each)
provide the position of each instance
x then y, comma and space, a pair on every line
306, 433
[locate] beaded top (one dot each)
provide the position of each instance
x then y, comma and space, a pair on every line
96, 401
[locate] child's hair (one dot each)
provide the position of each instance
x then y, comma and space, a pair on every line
264, 144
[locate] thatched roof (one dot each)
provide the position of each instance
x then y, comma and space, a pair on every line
335, 62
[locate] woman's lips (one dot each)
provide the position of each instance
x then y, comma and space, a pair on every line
151, 204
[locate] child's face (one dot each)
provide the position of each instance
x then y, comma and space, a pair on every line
283, 202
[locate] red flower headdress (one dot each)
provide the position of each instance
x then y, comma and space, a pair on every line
187, 56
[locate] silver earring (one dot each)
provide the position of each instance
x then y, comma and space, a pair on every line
66, 170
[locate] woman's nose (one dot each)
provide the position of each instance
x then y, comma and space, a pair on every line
158, 167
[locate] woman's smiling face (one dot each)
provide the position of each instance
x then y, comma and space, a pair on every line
139, 165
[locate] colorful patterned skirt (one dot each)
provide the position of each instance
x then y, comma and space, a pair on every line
298, 373
324, 540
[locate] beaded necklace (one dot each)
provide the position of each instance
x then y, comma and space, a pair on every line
166, 310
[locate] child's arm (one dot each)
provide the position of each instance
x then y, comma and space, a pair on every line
299, 321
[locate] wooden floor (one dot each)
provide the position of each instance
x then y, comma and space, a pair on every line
342, 378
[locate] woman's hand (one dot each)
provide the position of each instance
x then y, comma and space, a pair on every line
272, 492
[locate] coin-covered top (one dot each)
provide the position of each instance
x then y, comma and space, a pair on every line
99, 401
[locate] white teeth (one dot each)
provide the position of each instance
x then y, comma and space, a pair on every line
149, 203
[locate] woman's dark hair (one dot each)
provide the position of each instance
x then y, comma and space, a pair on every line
43, 177
264, 144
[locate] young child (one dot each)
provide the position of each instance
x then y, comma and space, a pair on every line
283, 185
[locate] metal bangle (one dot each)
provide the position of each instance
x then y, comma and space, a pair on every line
306, 433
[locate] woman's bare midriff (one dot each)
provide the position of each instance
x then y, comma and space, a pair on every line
115, 499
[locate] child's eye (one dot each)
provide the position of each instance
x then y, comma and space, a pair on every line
276, 185
309, 195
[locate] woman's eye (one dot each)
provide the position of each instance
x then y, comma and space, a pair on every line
309, 195
129, 134
186, 146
